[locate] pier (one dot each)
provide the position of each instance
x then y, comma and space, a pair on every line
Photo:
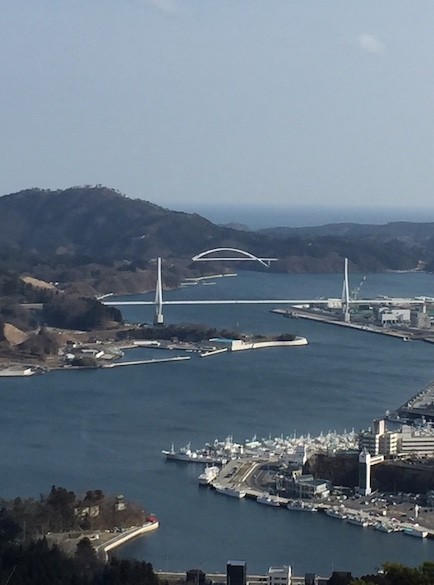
420, 405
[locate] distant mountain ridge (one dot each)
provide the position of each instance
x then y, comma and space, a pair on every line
417, 231
100, 225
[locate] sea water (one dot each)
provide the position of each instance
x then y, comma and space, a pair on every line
106, 428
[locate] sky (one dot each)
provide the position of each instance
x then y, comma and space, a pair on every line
222, 103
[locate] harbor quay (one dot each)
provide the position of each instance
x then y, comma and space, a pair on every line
420, 406
398, 331
282, 473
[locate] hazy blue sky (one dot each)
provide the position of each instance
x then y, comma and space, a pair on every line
193, 102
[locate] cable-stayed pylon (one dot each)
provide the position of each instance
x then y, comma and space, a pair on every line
159, 319
346, 294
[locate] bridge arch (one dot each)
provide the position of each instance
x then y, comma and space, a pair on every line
244, 255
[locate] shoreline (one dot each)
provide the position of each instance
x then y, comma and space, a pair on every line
124, 537
102, 541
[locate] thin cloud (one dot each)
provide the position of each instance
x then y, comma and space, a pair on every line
370, 44
164, 6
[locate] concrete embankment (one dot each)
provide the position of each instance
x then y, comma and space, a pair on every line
144, 362
289, 343
124, 537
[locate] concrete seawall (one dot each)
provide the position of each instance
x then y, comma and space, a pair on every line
125, 537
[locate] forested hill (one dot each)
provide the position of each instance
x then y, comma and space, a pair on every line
82, 226
100, 221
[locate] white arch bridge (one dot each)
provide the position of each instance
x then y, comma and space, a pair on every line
244, 256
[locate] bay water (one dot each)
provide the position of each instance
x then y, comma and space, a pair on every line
106, 428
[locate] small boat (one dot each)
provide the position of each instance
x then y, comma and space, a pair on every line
334, 513
416, 531
228, 491
268, 500
208, 475
191, 456
384, 527
301, 506
358, 521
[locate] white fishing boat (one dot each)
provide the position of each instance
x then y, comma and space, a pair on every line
208, 475
335, 513
358, 521
382, 527
268, 500
301, 506
228, 491
416, 531
192, 456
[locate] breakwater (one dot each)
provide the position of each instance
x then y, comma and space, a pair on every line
124, 537
146, 362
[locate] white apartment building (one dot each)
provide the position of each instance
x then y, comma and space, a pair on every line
279, 575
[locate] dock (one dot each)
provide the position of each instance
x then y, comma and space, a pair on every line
420, 405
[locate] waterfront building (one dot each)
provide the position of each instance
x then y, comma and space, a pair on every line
236, 573
389, 443
420, 320
418, 440
279, 575
378, 440
300, 455
305, 486
369, 441
396, 316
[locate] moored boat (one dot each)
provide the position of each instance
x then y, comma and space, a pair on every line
335, 513
228, 491
191, 456
301, 506
358, 521
382, 527
416, 531
208, 475
268, 500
